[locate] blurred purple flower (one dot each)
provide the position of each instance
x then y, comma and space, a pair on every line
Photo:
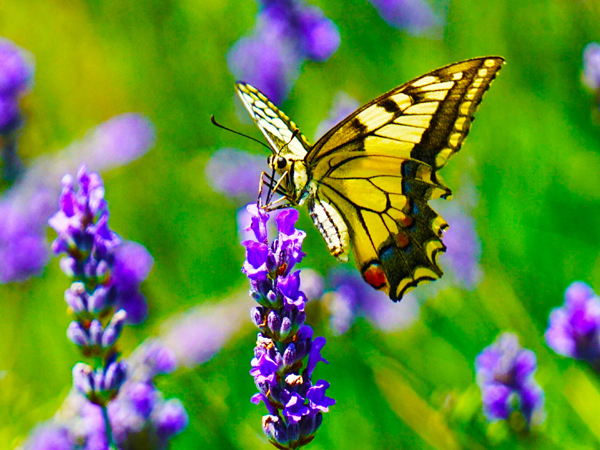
235, 173
312, 284
263, 60
287, 33
351, 297
16, 77
591, 66
505, 376
343, 106
197, 335
414, 16
49, 436
284, 341
23, 246
16, 69
31, 201
140, 417
132, 264
574, 328
461, 260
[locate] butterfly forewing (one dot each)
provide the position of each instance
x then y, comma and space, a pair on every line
274, 124
429, 116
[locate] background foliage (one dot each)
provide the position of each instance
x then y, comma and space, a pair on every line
534, 155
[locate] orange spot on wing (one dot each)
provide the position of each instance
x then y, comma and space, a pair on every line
406, 221
402, 240
375, 276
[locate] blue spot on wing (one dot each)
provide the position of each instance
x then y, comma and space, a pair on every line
387, 253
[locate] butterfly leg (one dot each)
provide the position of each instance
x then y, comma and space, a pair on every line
271, 207
276, 188
260, 188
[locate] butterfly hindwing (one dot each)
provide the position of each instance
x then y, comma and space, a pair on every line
274, 124
394, 232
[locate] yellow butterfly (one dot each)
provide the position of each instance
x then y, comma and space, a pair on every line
367, 181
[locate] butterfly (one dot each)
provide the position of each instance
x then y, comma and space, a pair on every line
367, 181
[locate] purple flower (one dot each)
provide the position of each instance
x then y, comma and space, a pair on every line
95, 254
105, 275
197, 335
28, 204
591, 66
170, 419
132, 264
461, 259
287, 33
343, 106
16, 69
317, 398
294, 404
16, 77
23, 247
49, 436
139, 415
10, 118
351, 297
574, 328
235, 173
264, 60
414, 16
505, 376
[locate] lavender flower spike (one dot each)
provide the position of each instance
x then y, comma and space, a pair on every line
574, 328
505, 376
286, 353
100, 277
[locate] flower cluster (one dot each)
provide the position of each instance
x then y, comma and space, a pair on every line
16, 77
505, 376
287, 33
414, 16
98, 279
140, 416
284, 381
574, 328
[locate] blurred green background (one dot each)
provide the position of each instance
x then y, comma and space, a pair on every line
534, 154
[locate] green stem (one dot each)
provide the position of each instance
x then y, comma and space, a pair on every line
109, 435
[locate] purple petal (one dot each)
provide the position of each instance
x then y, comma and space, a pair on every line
316, 396
315, 355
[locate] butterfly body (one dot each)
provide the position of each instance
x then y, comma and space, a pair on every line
367, 181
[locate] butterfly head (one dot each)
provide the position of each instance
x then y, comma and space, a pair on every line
292, 174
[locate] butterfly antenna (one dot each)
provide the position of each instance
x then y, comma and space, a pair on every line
214, 122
